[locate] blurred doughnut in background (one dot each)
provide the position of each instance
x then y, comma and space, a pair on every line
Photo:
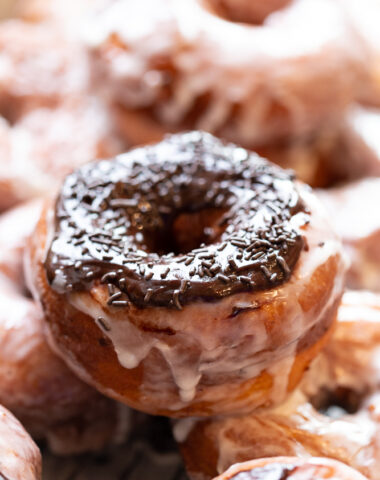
168, 66
355, 213
20, 458
35, 384
51, 121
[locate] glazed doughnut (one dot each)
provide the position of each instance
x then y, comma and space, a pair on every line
48, 143
184, 270
334, 413
37, 51
313, 158
357, 221
348, 151
291, 468
15, 227
360, 152
364, 15
35, 384
20, 458
169, 66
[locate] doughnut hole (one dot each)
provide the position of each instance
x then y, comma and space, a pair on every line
183, 232
339, 402
191, 230
253, 12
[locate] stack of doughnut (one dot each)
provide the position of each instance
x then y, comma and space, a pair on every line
195, 276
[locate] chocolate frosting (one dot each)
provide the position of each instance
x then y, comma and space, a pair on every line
114, 224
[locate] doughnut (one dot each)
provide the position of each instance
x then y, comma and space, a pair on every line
314, 157
357, 221
37, 51
334, 413
20, 458
49, 126
291, 468
360, 152
47, 143
169, 66
364, 16
34, 383
347, 151
181, 271
15, 227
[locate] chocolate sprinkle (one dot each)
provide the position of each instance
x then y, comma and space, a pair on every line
123, 211
103, 325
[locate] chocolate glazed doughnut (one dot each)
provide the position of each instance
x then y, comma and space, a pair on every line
291, 468
180, 271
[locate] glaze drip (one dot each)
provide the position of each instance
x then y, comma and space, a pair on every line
115, 222
274, 471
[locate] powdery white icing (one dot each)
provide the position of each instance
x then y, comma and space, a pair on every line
207, 350
287, 62
350, 360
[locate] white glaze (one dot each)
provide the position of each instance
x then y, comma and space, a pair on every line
182, 428
350, 359
315, 468
201, 349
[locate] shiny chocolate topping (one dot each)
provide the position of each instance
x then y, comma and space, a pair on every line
128, 222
